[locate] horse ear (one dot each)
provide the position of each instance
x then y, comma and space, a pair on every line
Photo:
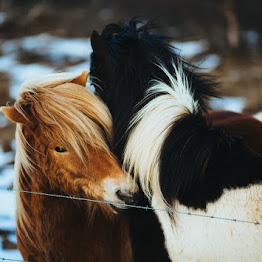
98, 44
81, 79
12, 114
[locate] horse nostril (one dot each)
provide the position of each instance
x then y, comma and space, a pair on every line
130, 200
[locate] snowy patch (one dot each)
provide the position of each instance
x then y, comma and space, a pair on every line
7, 177
58, 51
9, 254
3, 121
258, 116
20, 73
7, 62
2, 17
190, 49
235, 104
6, 158
252, 37
7, 210
10, 46
209, 63
78, 68
55, 48
7, 205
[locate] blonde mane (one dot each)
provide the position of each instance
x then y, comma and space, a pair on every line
70, 114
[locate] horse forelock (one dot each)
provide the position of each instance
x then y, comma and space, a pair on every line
67, 112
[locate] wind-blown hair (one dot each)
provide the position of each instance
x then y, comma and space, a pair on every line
70, 116
80, 116
171, 102
125, 59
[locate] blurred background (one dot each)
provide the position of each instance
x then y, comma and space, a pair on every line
37, 37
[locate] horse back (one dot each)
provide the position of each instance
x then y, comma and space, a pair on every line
239, 124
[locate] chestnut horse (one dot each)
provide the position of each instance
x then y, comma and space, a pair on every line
62, 138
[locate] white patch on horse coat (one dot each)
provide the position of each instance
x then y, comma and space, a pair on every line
192, 238
258, 116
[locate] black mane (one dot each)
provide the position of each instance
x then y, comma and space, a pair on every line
123, 63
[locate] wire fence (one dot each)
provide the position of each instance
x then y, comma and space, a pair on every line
125, 205
135, 206
10, 259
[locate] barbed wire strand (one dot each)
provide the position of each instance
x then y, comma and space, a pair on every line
134, 206
10, 259
122, 204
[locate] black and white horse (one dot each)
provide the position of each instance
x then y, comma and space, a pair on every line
168, 141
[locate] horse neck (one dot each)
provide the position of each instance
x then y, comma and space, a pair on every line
55, 221
61, 205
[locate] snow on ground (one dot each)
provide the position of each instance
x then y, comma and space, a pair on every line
57, 48
7, 214
10, 254
57, 51
258, 116
210, 62
2, 17
190, 49
7, 210
7, 204
235, 104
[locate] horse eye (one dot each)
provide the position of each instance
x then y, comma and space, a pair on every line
60, 149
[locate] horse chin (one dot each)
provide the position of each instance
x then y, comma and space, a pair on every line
117, 210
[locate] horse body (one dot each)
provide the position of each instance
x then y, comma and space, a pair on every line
62, 148
166, 138
194, 165
65, 233
192, 238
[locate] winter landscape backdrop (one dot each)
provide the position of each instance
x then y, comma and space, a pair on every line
37, 37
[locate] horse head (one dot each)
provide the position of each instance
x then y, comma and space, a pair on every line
63, 136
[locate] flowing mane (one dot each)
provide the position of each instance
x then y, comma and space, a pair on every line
171, 102
63, 141
80, 117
